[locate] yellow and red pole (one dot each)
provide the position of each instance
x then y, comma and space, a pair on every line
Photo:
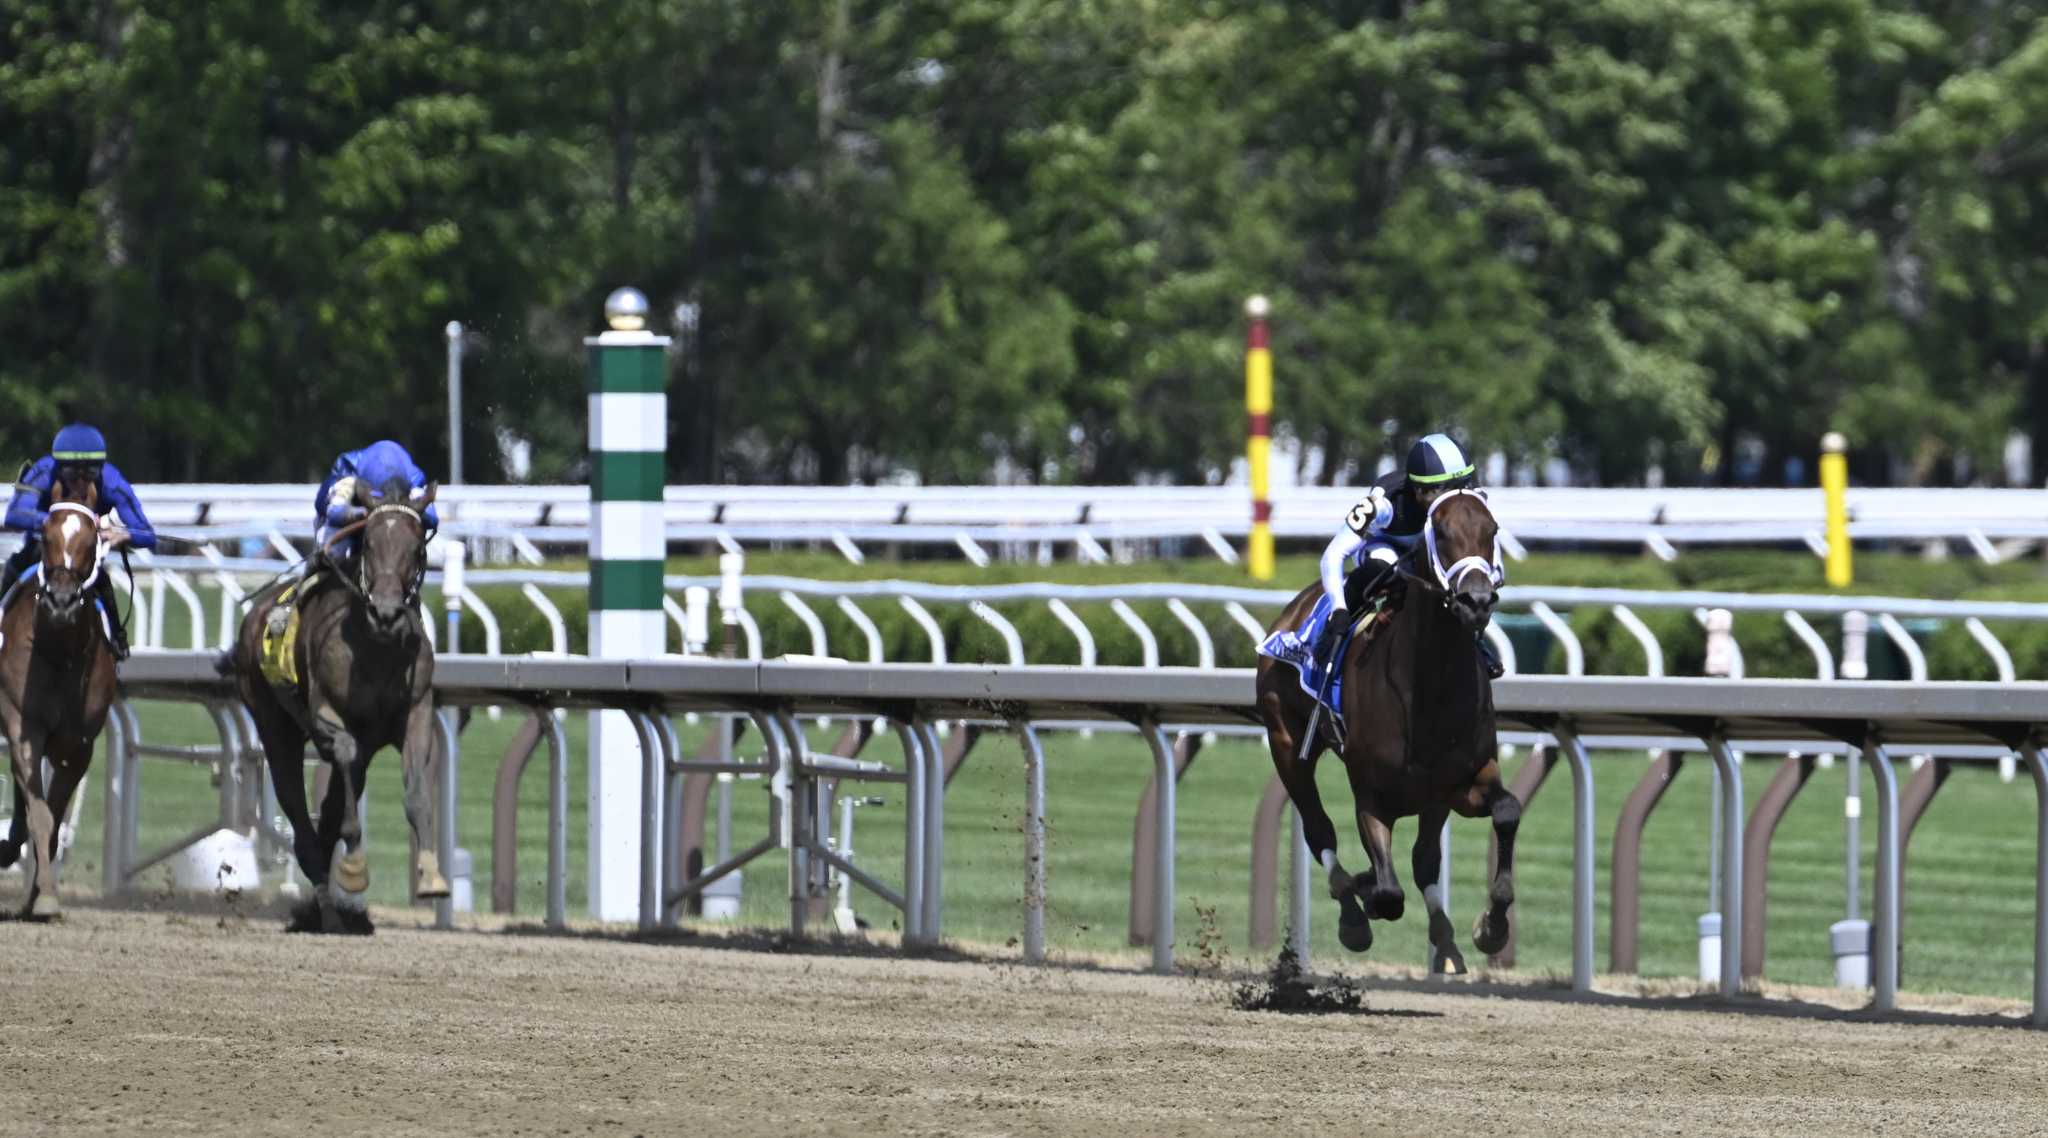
1258, 405
1834, 483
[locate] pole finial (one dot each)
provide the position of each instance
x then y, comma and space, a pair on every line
625, 310
1257, 306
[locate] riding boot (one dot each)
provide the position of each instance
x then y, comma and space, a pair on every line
1488, 656
117, 633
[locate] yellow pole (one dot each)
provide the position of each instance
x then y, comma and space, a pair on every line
1258, 405
1834, 481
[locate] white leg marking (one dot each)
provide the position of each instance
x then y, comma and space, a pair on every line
1433, 896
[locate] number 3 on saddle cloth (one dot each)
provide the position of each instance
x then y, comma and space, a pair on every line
35, 571
1297, 647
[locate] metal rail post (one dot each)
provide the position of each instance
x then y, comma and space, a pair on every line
915, 770
1730, 791
2039, 769
1034, 843
1162, 857
1299, 876
654, 764
113, 854
1884, 929
671, 817
934, 833
558, 819
444, 812
1582, 853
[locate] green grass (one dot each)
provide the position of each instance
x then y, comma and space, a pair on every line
1969, 883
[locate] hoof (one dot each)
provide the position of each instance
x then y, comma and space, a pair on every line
1354, 932
45, 908
1490, 935
1388, 905
352, 872
427, 880
1444, 957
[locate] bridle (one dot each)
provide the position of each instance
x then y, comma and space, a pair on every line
1447, 577
359, 583
99, 551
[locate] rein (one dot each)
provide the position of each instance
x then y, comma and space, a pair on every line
358, 587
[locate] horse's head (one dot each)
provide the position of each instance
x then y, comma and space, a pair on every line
394, 557
71, 549
1462, 544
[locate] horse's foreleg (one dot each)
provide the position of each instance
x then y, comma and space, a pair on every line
1385, 901
42, 826
419, 768
1427, 862
17, 826
339, 821
1490, 931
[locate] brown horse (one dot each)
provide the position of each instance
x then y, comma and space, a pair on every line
365, 674
1418, 736
56, 682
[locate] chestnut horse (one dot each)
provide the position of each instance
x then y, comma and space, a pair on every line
1418, 730
365, 681
56, 682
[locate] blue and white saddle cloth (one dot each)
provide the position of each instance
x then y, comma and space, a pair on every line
1297, 647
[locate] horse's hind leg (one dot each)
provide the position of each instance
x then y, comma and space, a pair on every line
1298, 775
284, 753
1428, 863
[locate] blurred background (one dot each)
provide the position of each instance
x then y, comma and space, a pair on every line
1616, 242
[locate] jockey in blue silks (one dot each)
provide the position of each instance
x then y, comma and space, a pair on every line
1383, 525
359, 478
78, 454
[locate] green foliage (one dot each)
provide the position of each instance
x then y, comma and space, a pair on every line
1012, 237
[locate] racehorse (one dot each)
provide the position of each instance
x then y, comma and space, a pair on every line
1418, 729
359, 676
56, 682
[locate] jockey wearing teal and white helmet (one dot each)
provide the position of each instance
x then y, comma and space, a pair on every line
1378, 529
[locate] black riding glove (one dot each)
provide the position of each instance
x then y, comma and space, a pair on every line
1332, 634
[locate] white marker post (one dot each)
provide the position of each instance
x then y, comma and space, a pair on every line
628, 447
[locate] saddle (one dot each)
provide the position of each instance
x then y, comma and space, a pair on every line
1297, 647
277, 656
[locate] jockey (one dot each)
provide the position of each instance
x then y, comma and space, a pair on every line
362, 474
78, 454
1394, 508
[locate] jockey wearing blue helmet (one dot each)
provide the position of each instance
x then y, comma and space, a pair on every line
358, 478
78, 454
1379, 527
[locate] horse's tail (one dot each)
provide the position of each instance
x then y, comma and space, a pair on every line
224, 663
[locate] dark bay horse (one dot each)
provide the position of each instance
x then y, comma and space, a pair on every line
56, 682
1418, 736
365, 673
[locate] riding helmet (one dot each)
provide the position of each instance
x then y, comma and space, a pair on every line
1438, 462
79, 443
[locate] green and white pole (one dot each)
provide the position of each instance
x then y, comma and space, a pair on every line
628, 446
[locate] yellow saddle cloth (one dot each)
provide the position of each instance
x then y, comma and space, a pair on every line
279, 661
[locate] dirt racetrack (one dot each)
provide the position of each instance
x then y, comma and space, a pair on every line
129, 1022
